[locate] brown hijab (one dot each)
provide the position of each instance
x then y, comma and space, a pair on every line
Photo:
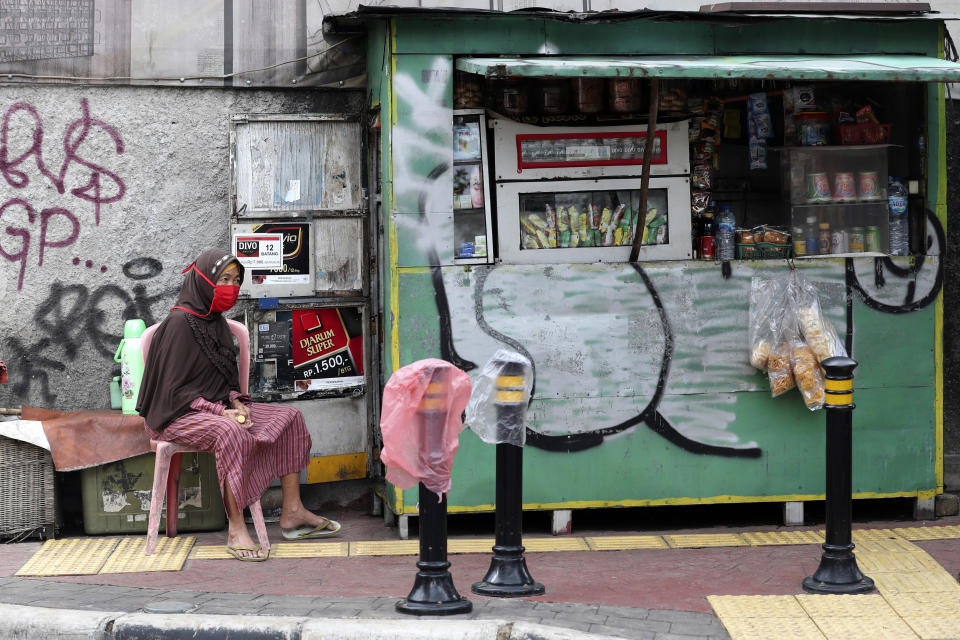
191, 354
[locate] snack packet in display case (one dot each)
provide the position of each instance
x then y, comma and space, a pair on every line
808, 375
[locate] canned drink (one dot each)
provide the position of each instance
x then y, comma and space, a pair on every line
818, 187
867, 185
838, 241
843, 187
871, 239
707, 248
856, 239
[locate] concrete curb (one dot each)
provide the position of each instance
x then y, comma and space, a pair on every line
19, 622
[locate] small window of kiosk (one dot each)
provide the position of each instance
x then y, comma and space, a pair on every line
471, 201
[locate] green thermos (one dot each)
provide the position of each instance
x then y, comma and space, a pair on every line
131, 364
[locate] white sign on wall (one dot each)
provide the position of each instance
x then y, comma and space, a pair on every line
259, 250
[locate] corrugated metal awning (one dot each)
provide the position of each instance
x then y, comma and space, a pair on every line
883, 67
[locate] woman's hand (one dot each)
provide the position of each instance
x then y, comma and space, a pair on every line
243, 410
239, 417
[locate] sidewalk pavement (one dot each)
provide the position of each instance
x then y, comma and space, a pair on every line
641, 593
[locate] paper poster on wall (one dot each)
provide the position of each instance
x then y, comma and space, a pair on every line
270, 276
310, 349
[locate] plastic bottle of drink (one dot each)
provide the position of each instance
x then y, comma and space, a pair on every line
897, 205
726, 233
131, 364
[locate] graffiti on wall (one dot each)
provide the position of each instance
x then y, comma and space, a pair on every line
73, 316
33, 227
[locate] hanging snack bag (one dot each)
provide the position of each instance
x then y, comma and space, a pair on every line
780, 363
807, 374
766, 311
818, 331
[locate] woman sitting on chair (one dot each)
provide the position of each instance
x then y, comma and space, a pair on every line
190, 395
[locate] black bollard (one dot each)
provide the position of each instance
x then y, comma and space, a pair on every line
508, 576
838, 571
433, 593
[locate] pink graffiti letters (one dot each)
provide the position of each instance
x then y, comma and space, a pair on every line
102, 187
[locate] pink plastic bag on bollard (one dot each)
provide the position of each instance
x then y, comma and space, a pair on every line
421, 420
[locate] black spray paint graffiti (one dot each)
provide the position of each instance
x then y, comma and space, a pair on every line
73, 315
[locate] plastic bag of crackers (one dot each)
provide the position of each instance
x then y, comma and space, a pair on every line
807, 374
767, 305
817, 330
780, 362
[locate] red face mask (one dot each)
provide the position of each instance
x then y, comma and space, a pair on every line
224, 295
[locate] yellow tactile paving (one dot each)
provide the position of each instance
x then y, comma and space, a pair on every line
70, 557
883, 561
910, 605
385, 548
769, 628
483, 545
760, 538
555, 543
895, 544
940, 628
929, 581
756, 607
852, 606
930, 533
623, 543
129, 557
882, 628
309, 550
210, 552
873, 534
705, 540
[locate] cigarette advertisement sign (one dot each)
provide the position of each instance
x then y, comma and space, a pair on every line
278, 258
311, 350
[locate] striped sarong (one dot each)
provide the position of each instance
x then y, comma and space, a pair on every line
250, 459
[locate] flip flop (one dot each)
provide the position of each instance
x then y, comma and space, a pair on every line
306, 532
235, 552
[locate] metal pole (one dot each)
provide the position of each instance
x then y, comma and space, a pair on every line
433, 593
838, 571
508, 576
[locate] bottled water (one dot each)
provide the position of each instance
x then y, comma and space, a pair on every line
897, 203
726, 233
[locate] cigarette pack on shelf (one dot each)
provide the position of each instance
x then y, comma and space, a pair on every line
27, 493
762, 251
864, 133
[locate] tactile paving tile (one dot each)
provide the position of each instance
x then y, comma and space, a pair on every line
930, 533
756, 607
309, 550
925, 605
882, 628
483, 545
891, 545
930, 581
877, 561
873, 534
940, 628
211, 552
129, 557
705, 540
623, 543
759, 538
768, 628
846, 606
555, 543
385, 548
70, 557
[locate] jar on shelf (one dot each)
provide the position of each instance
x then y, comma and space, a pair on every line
588, 94
467, 91
513, 99
553, 96
625, 95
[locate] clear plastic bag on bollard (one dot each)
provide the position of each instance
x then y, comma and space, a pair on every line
420, 422
497, 409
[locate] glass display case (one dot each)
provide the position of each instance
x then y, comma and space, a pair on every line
471, 206
837, 198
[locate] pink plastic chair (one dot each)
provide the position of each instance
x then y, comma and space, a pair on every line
166, 470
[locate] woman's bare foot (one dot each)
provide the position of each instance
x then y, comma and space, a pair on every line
240, 537
295, 517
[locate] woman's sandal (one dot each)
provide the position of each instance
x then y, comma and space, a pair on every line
308, 532
235, 552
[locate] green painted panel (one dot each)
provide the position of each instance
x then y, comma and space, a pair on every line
899, 68
377, 58
419, 337
421, 141
641, 37
470, 35
418, 235
897, 352
825, 36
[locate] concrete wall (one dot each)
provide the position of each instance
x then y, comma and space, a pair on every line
105, 195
